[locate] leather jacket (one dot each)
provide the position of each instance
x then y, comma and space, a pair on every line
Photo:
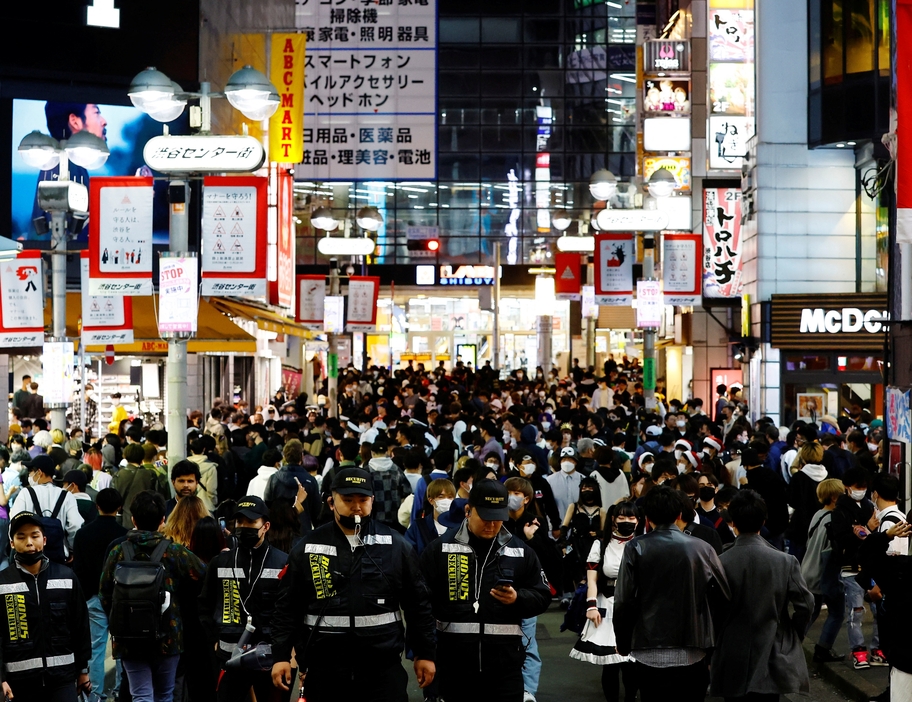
670, 588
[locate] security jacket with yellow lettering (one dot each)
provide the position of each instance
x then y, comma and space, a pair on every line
339, 603
46, 638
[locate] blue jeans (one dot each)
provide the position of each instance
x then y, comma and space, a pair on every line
152, 680
98, 623
531, 671
854, 610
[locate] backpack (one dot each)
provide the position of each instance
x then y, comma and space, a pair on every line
818, 553
139, 595
55, 548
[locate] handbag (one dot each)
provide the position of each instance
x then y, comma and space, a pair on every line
575, 617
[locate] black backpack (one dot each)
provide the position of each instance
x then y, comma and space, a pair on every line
55, 548
139, 593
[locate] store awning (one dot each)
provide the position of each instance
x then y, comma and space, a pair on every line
215, 332
265, 319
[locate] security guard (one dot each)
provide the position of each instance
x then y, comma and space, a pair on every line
241, 586
339, 603
45, 645
483, 582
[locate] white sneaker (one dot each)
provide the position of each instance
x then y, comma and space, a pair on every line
528, 697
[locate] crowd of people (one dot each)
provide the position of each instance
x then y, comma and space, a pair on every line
438, 513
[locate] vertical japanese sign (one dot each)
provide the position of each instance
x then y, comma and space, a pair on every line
371, 90
731, 82
362, 303
614, 270
120, 236
282, 284
234, 236
899, 419
903, 121
311, 294
106, 319
178, 294
649, 304
682, 268
722, 266
567, 279
22, 301
286, 71
57, 361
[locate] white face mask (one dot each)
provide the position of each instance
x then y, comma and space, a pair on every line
515, 502
443, 504
492, 466
857, 495
873, 448
568, 466
546, 426
527, 468
678, 453
681, 424
32, 480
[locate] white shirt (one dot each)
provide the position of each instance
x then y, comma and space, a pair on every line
898, 546
48, 495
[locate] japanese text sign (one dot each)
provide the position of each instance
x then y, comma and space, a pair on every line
286, 126
682, 268
22, 301
311, 293
362, 303
899, 419
649, 304
370, 93
203, 153
178, 294
722, 242
281, 285
120, 236
614, 270
106, 319
57, 360
567, 280
234, 236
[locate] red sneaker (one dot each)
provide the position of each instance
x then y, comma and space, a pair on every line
877, 658
860, 660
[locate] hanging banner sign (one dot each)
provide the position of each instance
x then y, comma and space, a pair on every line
614, 270
362, 303
371, 90
722, 265
234, 236
106, 319
281, 269
682, 269
311, 294
649, 304
22, 301
590, 309
57, 361
899, 418
120, 236
567, 279
178, 294
901, 147
286, 71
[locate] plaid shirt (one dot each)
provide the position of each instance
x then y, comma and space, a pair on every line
90, 425
390, 489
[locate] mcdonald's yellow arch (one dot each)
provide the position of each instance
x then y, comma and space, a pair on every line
286, 71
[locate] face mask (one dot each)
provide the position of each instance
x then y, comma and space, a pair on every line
678, 453
587, 497
443, 504
527, 468
858, 495
514, 503
29, 558
707, 493
681, 424
506, 436
350, 523
626, 528
546, 426
32, 480
568, 466
492, 466
873, 448
247, 537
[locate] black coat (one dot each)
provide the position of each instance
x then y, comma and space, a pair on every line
849, 513
772, 489
894, 577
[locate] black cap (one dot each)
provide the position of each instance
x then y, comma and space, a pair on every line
42, 462
353, 481
489, 498
251, 507
24, 518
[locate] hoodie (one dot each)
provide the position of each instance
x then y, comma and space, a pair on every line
390, 489
802, 498
257, 485
527, 443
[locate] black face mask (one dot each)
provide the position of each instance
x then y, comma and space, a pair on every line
28, 558
626, 528
350, 523
726, 517
587, 497
707, 493
247, 537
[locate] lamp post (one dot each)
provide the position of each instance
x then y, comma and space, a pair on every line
544, 322
61, 197
248, 91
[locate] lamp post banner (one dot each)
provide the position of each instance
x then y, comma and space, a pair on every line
178, 294
57, 361
106, 319
22, 301
567, 278
614, 270
120, 236
362, 303
903, 120
281, 268
722, 262
286, 71
682, 269
311, 294
234, 236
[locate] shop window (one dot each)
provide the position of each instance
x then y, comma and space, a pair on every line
859, 363
831, 36
860, 35
807, 363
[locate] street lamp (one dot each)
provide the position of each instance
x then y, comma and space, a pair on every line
369, 219
560, 220
603, 185
661, 183
61, 197
323, 219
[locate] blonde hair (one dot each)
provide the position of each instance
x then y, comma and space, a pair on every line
439, 487
183, 518
57, 436
811, 452
829, 490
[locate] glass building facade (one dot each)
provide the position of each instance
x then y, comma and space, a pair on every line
533, 97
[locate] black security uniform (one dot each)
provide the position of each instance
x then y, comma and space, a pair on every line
46, 640
241, 582
481, 653
339, 607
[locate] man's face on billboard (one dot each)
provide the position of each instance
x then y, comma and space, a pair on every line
94, 123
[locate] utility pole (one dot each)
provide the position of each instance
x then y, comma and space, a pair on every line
332, 358
176, 370
649, 333
495, 342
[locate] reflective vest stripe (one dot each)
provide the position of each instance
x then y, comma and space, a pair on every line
346, 622
478, 628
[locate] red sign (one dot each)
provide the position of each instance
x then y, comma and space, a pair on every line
903, 121
726, 377
682, 268
105, 319
722, 242
21, 298
567, 280
234, 236
291, 381
363, 292
614, 270
281, 290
